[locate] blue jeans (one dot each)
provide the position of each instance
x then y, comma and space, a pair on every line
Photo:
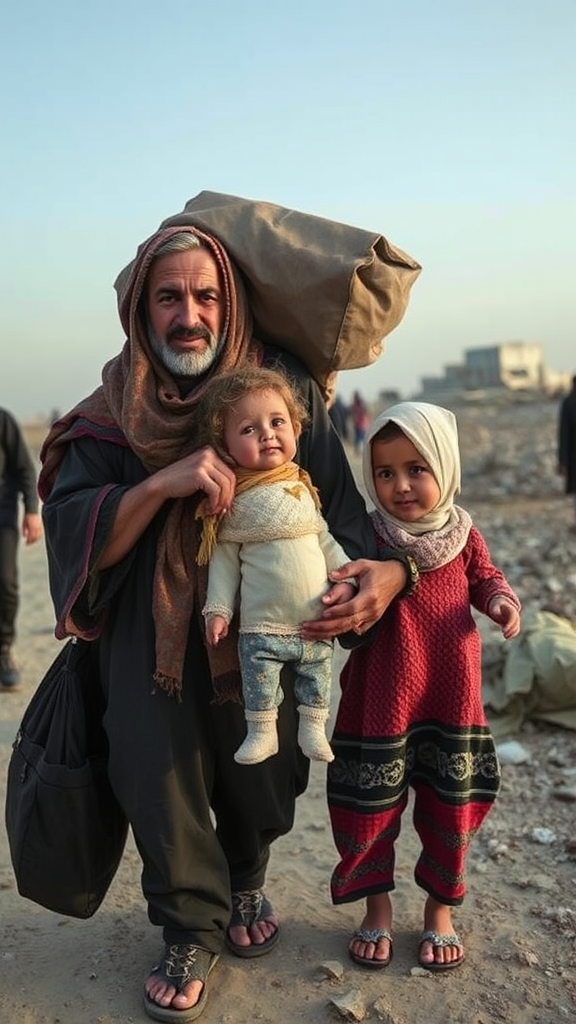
261, 659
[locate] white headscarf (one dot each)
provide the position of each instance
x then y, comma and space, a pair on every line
434, 433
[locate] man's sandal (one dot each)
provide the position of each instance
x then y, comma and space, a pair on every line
439, 940
248, 908
179, 965
371, 935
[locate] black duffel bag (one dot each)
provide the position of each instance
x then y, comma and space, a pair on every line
65, 828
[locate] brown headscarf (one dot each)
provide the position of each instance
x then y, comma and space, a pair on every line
139, 404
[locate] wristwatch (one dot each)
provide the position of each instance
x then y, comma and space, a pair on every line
409, 563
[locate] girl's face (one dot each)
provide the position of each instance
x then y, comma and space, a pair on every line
404, 482
258, 432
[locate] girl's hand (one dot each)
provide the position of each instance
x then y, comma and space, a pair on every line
505, 615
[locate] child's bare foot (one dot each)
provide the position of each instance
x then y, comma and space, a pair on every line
371, 944
440, 946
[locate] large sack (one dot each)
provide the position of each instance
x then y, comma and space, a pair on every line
536, 679
327, 292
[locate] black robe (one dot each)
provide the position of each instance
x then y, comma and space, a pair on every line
171, 763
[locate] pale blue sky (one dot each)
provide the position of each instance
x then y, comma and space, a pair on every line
446, 125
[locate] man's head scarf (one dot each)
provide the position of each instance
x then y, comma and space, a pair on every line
140, 404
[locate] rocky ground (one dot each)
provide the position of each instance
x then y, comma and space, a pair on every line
518, 921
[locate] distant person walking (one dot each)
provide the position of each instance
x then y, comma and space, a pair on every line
17, 480
360, 421
338, 413
567, 444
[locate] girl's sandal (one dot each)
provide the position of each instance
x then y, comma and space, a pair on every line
371, 935
439, 940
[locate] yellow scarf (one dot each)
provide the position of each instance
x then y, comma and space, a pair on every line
247, 478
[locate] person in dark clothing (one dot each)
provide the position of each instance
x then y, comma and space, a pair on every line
121, 482
567, 443
338, 413
17, 482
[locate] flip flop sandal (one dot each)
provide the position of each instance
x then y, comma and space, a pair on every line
179, 965
247, 908
438, 939
374, 935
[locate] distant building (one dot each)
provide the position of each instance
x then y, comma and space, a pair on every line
516, 365
513, 365
388, 397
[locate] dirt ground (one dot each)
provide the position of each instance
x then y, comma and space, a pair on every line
518, 921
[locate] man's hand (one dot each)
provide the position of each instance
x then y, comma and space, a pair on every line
379, 583
203, 470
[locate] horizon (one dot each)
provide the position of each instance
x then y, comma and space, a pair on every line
556, 389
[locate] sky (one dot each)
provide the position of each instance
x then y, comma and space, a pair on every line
446, 126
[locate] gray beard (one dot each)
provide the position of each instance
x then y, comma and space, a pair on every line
185, 364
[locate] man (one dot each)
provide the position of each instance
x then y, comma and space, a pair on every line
121, 480
567, 444
17, 481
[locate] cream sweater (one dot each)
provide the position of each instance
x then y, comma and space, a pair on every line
272, 559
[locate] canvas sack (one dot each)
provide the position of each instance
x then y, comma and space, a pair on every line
327, 292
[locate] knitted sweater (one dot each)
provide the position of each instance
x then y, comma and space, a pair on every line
272, 560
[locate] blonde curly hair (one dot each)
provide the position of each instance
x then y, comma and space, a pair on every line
227, 388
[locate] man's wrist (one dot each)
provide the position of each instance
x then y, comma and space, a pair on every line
410, 567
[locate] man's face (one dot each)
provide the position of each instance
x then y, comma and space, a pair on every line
185, 305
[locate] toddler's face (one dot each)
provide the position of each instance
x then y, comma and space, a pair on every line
404, 482
258, 433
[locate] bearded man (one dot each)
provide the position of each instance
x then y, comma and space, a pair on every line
120, 481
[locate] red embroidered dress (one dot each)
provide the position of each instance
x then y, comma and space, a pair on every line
411, 714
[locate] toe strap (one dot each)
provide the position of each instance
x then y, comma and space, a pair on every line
183, 963
372, 934
441, 939
249, 906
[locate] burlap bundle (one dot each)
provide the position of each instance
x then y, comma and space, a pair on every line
327, 292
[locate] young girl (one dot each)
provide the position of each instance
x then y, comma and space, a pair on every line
269, 557
411, 712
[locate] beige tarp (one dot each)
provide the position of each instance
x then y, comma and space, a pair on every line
536, 679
